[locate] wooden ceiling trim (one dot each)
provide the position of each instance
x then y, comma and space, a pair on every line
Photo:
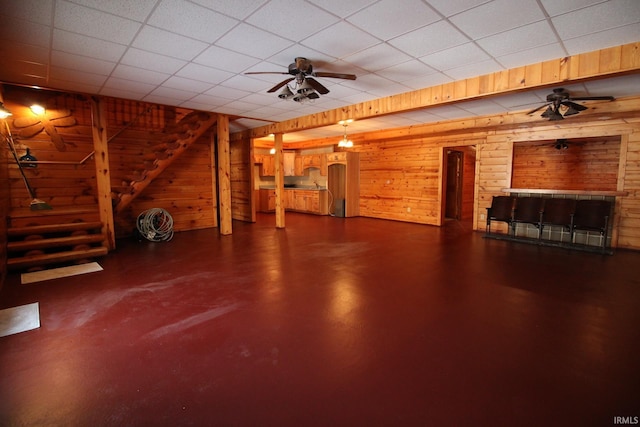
610, 62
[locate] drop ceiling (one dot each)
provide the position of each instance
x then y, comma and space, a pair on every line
194, 53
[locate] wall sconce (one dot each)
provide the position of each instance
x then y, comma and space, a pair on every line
38, 110
4, 113
345, 142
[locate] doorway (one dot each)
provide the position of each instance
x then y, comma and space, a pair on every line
459, 183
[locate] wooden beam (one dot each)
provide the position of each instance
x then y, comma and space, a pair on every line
594, 65
224, 176
279, 161
103, 174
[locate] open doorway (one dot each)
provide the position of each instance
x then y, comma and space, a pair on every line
459, 190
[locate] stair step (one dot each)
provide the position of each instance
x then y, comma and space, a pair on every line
59, 257
53, 228
54, 242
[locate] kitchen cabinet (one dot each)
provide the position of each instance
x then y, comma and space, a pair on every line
267, 164
289, 161
306, 201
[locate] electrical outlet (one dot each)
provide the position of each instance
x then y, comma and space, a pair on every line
481, 216
409, 209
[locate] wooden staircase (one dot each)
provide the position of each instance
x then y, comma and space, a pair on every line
178, 138
34, 247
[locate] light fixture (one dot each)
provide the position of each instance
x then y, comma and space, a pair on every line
4, 113
561, 144
272, 151
301, 91
38, 110
345, 142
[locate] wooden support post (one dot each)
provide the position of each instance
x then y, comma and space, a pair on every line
279, 163
214, 178
103, 174
224, 176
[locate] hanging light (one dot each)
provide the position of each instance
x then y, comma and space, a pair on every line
286, 93
345, 142
301, 91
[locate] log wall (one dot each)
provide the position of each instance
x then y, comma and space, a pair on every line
4, 207
242, 180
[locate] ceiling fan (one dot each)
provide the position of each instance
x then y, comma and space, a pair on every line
305, 87
560, 101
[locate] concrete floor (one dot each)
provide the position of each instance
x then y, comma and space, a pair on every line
329, 322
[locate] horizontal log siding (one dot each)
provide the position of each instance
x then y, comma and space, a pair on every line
586, 165
629, 223
241, 180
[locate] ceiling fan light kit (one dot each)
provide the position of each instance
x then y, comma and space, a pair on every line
306, 87
560, 104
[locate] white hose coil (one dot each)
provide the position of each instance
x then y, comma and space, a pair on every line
155, 225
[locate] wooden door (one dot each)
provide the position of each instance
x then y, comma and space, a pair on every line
453, 207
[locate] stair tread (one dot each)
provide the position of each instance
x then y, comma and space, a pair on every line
35, 260
55, 210
53, 228
53, 242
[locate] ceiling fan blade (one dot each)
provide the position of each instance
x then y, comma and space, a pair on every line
536, 109
317, 86
279, 85
593, 98
335, 75
574, 105
265, 72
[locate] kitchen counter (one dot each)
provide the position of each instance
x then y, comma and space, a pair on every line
307, 199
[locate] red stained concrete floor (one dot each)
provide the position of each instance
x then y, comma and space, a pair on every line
329, 322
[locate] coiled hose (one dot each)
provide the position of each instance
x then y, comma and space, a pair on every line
155, 225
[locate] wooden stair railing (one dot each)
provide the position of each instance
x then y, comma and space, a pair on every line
37, 246
182, 135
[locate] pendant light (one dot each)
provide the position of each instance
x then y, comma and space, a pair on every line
345, 142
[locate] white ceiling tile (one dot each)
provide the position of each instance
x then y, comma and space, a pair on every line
193, 21
152, 61
518, 100
124, 85
428, 80
451, 7
38, 11
253, 41
200, 107
81, 63
406, 71
168, 44
432, 38
235, 9
600, 17
73, 75
530, 56
25, 32
603, 39
27, 72
138, 74
497, 16
87, 46
227, 92
349, 41
137, 10
390, 18
342, 8
123, 94
185, 84
618, 87
23, 52
378, 57
73, 86
94, 23
455, 57
294, 23
247, 83
285, 57
179, 95
225, 59
157, 99
522, 38
482, 107
474, 69
203, 73
555, 7
212, 101
449, 112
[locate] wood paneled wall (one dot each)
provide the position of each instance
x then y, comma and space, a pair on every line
242, 180
587, 164
4, 206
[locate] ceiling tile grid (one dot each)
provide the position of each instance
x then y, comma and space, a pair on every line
195, 53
